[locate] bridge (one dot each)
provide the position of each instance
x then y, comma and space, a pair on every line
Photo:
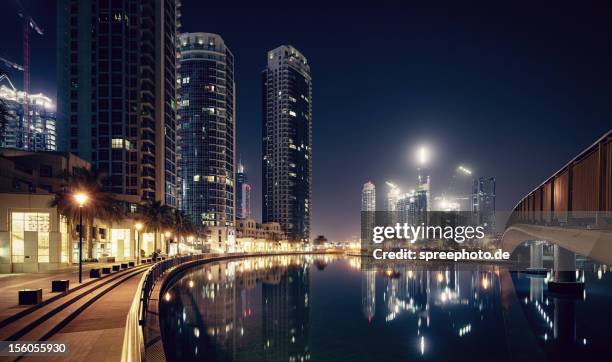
572, 209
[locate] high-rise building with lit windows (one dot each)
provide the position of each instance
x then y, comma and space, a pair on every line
116, 99
207, 130
483, 202
39, 134
243, 193
287, 142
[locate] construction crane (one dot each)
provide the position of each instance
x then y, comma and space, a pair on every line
10, 64
28, 24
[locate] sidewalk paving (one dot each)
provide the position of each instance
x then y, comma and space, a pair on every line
10, 284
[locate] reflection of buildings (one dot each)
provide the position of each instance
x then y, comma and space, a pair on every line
222, 309
368, 293
483, 201
448, 295
286, 314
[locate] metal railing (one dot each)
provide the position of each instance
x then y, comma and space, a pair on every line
133, 341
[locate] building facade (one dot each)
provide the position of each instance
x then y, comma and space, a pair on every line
243, 193
34, 236
38, 132
116, 100
287, 142
207, 130
483, 202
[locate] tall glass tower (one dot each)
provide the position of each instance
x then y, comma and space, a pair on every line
207, 129
243, 193
116, 99
287, 142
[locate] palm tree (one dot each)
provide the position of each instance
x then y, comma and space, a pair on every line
181, 224
100, 205
155, 216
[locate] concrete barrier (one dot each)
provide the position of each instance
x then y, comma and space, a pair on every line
61, 285
95, 273
30, 296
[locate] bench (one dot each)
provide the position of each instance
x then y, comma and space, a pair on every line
30, 296
95, 273
116, 267
61, 285
106, 270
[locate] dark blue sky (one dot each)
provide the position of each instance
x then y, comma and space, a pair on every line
513, 92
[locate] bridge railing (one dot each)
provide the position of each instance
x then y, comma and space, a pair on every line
579, 194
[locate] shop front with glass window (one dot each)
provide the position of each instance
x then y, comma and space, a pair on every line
33, 238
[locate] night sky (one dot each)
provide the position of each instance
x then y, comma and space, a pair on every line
512, 92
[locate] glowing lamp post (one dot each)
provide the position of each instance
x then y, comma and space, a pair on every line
81, 199
138, 227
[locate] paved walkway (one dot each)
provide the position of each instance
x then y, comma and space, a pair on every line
97, 333
10, 284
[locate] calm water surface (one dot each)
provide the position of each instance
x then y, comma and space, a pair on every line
303, 308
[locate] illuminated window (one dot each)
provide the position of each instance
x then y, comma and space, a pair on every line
29, 221
43, 247
117, 143
196, 178
186, 80
292, 113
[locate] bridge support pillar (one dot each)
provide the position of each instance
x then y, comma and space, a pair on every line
536, 254
564, 279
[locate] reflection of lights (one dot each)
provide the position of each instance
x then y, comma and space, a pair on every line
485, 283
167, 296
546, 336
599, 274
584, 341
440, 277
191, 284
422, 345
465, 330
196, 332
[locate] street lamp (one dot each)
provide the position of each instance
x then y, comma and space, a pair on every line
138, 227
81, 199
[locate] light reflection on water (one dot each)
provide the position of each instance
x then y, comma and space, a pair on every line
301, 308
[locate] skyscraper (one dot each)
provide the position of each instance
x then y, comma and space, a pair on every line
393, 197
287, 142
207, 129
368, 215
40, 135
116, 108
483, 202
368, 197
243, 193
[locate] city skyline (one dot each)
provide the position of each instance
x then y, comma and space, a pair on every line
515, 97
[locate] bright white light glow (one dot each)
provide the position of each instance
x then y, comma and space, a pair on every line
423, 155
464, 170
